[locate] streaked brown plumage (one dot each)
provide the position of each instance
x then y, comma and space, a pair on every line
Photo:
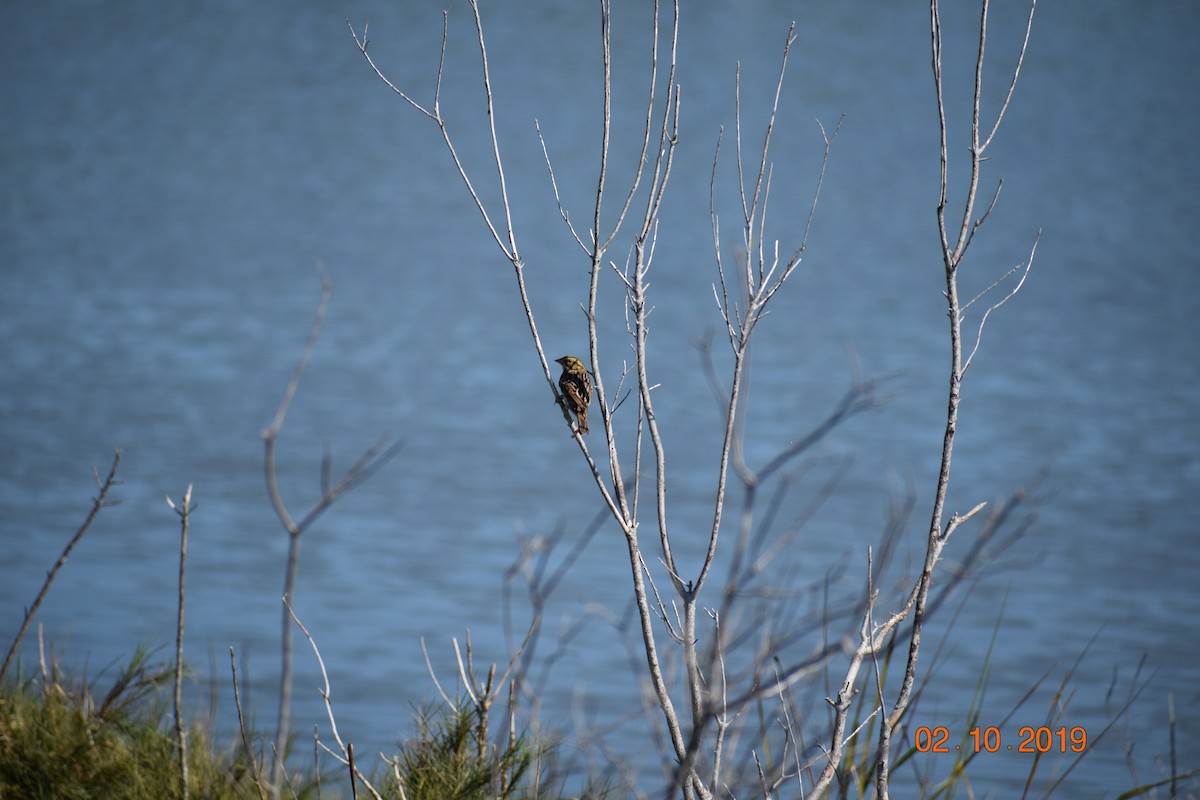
576, 387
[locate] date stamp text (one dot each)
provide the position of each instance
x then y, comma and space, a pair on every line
989, 740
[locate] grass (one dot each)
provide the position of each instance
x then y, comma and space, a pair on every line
71, 739
60, 738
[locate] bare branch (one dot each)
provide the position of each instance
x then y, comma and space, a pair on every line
272, 433
1002, 301
507, 246
184, 511
100, 501
362, 43
251, 760
557, 198
346, 754
374, 458
798, 253
491, 115
433, 674
1012, 87
936, 538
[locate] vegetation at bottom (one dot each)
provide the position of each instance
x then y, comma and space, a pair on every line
64, 738
70, 739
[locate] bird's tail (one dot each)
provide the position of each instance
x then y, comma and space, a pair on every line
583, 428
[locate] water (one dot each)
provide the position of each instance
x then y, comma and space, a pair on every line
172, 173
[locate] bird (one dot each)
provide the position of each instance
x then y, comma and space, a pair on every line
576, 387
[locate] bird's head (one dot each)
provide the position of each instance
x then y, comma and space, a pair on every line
569, 362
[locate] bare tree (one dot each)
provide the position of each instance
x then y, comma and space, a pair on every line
727, 665
952, 258
371, 460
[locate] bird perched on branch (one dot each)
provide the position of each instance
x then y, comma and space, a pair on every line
576, 387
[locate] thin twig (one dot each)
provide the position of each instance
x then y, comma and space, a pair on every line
251, 761
558, 198
346, 756
100, 501
1012, 292
184, 512
436, 115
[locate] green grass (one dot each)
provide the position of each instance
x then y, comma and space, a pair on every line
62, 739
70, 739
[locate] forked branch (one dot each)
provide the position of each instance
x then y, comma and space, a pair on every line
375, 457
940, 531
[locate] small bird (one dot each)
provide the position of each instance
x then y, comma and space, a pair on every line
576, 387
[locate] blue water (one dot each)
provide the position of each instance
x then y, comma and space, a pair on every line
171, 173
